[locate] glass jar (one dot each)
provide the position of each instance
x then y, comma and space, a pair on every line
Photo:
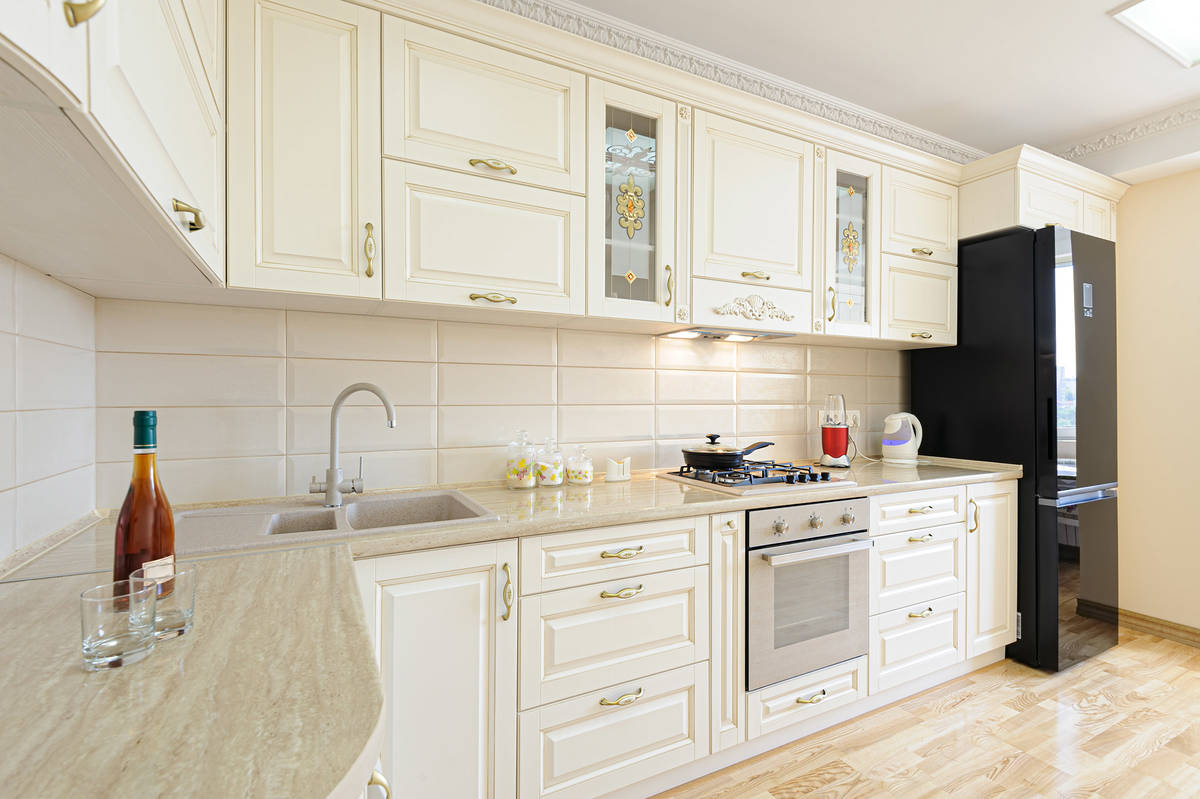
549, 464
579, 468
519, 467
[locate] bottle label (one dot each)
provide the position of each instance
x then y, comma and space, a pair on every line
144, 450
159, 569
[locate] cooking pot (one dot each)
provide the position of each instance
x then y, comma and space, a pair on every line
712, 456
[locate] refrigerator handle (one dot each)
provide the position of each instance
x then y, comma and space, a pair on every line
1079, 499
1051, 431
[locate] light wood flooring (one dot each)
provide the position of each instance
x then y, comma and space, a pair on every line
1123, 725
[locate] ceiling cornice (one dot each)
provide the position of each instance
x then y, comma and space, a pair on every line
1179, 116
609, 30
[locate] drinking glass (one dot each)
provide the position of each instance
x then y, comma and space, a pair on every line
117, 623
176, 589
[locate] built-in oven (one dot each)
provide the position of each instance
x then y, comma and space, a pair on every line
806, 586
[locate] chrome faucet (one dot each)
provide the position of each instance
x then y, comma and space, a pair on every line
334, 485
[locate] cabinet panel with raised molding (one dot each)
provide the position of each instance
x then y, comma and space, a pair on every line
920, 216
920, 301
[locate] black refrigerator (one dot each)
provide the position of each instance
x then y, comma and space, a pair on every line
1033, 381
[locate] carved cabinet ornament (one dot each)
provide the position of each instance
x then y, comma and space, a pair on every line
753, 307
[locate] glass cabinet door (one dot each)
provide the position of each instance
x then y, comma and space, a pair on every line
852, 246
631, 214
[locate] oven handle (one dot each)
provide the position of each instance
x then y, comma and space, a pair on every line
787, 558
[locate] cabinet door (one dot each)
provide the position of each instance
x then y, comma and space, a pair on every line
40, 28
728, 673
914, 641
631, 204
446, 639
991, 566
753, 192
206, 19
460, 104
920, 301
468, 240
851, 302
920, 216
1047, 202
147, 96
304, 147
1099, 217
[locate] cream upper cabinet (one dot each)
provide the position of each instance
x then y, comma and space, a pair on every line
304, 147
920, 301
991, 566
153, 103
41, 30
445, 629
1099, 217
456, 103
1047, 202
920, 216
849, 301
206, 20
631, 204
752, 208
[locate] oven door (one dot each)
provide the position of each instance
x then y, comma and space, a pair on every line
807, 607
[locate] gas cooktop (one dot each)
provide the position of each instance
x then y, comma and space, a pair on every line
758, 477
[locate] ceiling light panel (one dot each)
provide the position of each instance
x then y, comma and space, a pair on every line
1172, 26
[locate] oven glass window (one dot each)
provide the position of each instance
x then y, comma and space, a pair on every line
812, 600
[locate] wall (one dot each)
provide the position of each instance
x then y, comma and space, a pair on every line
243, 395
47, 414
1158, 329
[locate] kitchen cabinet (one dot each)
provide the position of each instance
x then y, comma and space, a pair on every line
149, 94
801, 698
850, 303
445, 631
920, 216
913, 510
920, 300
725, 304
1047, 202
1099, 217
991, 566
915, 640
305, 195
920, 564
728, 664
631, 204
40, 29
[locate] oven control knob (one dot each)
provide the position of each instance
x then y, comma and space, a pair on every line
780, 526
848, 516
815, 521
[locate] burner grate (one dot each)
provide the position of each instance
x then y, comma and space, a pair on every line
756, 473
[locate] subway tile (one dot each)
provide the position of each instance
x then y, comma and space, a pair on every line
8, 519
767, 419
8, 451
767, 357
586, 348
640, 453
493, 425
875, 414
184, 329
853, 387
366, 338
149, 380
53, 311
766, 387
480, 384
52, 442
318, 381
54, 376
695, 421
886, 389
584, 386
670, 353
582, 423
462, 342
793, 448
8, 372
45, 506
199, 480
393, 469
680, 387
870, 444
473, 465
8, 298
887, 363
198, 432
363, 429
837, 360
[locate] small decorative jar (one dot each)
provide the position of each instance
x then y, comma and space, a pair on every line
549, 464
579, 468
519, 468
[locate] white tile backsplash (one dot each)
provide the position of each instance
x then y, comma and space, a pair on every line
201, 480
673, 353
178, 328
198, 432
363, 429
837, 360
135, 380
761, 420
769, 357
8, 454
493, 425
496, 384
695, 421
8, 305
52, 442
46, 505
579, 385
690, 388
318, 381
8, 371
393, 469
53, 311
461, 342
770, 387
586, 348
367, 338
53, 375
8, 515
583, 423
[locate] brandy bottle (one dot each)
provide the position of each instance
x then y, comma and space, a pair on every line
145, 534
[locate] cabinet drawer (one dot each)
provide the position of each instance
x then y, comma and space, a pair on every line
579, 748
913, 510
715, 302
799, 699
564, 560
582, 639
916, 640
920, 301
448, 100
920, 216
917, 565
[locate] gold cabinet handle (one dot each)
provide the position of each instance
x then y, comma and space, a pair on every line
670, 284
195, 223
81, 12
730, 524
369, 249
493, 163
624, 554
832, 304
921, 539
757, 275
924, 614
974, 516
494, 296
923, 334
922, 251
381, 781
623, 699
922, 509
815, 699
508, 593
624, 593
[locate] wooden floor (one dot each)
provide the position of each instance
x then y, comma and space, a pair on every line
1124, 724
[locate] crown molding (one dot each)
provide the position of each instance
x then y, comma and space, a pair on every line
613, 32
1179, 116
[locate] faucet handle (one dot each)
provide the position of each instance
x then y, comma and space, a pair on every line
356, 485
315, 487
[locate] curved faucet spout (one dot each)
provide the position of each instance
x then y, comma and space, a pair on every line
332, 487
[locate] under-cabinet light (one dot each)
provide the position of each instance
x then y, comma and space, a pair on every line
715, 334
1172, 26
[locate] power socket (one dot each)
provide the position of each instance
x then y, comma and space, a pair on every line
853, 419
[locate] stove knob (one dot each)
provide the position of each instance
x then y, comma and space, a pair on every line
826, 476
815, 521
780, 526
848, 516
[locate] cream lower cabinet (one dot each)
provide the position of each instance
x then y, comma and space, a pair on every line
920, 301
916, 640
40, 29
920, 564
445, 631
728, 637
991, 566
807, 696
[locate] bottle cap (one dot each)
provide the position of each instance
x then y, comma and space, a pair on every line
145, 425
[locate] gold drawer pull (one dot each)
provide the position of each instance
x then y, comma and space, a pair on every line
922, 509
924, 614
730, 524
922, 251
369, 249
832, 304
974, 515
378, 779
925, 334
494, 296
624, 593
624, 554
623, 699
81, 12
494, 163
757, 275
508, 593
670, 285
815, 699
921, 539
195, 223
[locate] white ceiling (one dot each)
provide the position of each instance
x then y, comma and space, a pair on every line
1049, 73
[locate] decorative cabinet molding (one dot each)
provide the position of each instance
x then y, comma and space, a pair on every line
716, 302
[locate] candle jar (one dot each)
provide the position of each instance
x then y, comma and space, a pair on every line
579, 468
519, 466
549, 464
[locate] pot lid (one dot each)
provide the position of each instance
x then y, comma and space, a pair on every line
711, 446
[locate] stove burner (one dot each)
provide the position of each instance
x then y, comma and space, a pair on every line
756, 473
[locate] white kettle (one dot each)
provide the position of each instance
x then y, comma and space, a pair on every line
901, 438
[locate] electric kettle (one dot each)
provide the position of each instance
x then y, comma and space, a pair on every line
901, 438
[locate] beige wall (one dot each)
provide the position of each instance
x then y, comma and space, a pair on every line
1158, 382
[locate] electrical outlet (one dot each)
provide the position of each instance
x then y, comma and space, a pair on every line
853, 419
